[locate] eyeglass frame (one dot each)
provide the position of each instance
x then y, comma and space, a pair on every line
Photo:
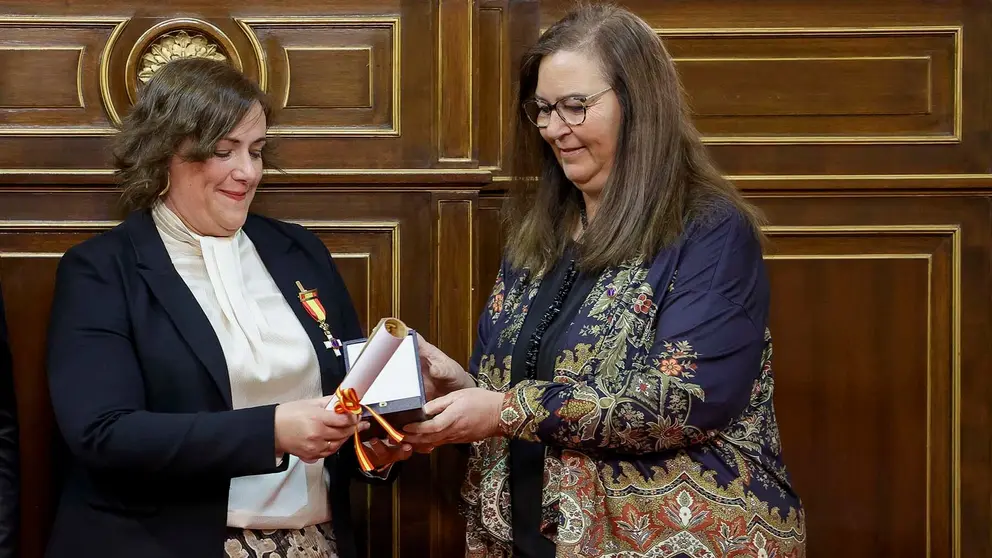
584, 100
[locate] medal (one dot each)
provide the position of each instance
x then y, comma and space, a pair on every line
316, 310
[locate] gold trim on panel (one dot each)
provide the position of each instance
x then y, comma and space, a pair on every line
439, 87
956, 255
378, 172
955, 30
840, 177
60, 21
485, 171
392, 22
857, 256
256, 47
31, 225
859, 229
368, 276
736, 140
826, 177
470, 318
59, 172
368, 49
116, 23
503, 91
273, 172
469, 75
105, 93
959, 81
954, 232
79, 76
470, 65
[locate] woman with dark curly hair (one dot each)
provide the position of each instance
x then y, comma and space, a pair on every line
188, 361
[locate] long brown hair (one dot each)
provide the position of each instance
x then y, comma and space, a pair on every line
187, 99
662, 177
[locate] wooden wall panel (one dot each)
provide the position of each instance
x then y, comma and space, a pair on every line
875, 395
51, 71
456, 268
810, 86
333, 76
28, 259
882, 396
456, 115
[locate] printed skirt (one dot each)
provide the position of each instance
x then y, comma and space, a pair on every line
315, 541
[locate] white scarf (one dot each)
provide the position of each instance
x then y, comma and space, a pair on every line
270, 359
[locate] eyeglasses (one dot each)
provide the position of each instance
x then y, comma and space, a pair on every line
572, 110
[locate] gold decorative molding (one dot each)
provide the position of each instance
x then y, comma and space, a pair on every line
942, 231
504, 91
174, 39
442, 272
114, 24
371, 66
248, 25
390, 227
367, 259
449, 152
956, 31
81, 102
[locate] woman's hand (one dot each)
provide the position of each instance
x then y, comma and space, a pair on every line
442, 375
309, 431
464, 416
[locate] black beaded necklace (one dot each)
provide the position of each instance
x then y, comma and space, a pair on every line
534, 345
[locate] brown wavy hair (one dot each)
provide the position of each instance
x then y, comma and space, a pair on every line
662, 177
187, 99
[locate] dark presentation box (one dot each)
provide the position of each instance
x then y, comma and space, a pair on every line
397, 394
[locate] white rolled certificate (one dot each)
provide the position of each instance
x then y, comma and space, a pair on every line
387, 336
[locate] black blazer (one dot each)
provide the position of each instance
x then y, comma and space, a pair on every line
9, 457
141, 394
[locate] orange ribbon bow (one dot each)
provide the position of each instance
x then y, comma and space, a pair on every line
348, 402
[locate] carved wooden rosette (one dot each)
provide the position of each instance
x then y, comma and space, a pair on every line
143, 46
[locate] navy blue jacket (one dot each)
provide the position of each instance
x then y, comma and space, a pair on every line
140, 390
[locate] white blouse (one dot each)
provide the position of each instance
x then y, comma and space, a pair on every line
270, 359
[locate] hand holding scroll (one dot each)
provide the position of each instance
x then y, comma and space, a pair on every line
309, 431
463, 416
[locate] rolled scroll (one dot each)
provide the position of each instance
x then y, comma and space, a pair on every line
382, 343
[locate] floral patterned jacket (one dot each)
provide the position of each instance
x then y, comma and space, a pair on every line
659, 422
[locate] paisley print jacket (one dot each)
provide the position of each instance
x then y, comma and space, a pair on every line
659, 422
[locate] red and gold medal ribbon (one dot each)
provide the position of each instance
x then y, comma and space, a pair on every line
313, 306
348, 402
